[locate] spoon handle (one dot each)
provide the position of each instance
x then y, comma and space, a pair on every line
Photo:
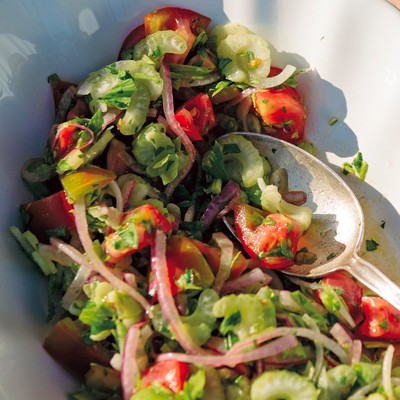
374, 279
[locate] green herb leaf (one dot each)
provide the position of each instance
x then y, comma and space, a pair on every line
330, 256
180, 71
332, 121
371, 245
120, 95
53, 79
230, 321
347, 168
231, 148
223, 62
213, 163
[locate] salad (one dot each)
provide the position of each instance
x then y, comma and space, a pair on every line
150, 295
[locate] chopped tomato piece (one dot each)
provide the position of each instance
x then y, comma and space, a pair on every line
187, 23
349, 290
382, 320
213, 256
170, 374
136, 231
282, 109
67, 346
182, 253
115, 157
270, 238
80, 110
196, 116
67, 137
85, 180
50, 213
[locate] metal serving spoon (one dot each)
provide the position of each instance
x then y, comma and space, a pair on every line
337, 230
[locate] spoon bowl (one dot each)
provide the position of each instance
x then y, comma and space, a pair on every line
337, 231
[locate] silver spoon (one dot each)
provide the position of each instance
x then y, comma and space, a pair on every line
337, 230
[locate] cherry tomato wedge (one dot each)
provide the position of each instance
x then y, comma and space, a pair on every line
136, 231
85, 180
187, 23
170, 374
349, 290
134, 37
213, 256
382, 320
270, 238
67, 346
49, 213
196, 116
183, 253
282, 109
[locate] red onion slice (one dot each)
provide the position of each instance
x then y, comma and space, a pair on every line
226, 258
387, 372
356, 351
118, 195
242, 111
98, 265
230, 191
161, 278
268, 350
76, 286
326, 342
61, 153
340, 335
81, 276
130, 371
246, 280
168, 106
54, 254
246, 93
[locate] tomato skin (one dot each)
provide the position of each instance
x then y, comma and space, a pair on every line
264, 235
84, 180
186, 22
170, 374
66, 140
196, 116
145, 219
349, 289
134, 37
115, 161
65, 343
213, 257
49, 213
382, 320
169, 17
183, 253
281, 108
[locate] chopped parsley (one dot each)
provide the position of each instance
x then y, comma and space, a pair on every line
357, 167
330, 256
230, 321
231, 148
384, 325
332, 121
223, 62
371, 244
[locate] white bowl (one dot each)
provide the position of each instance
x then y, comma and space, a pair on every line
350, 45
